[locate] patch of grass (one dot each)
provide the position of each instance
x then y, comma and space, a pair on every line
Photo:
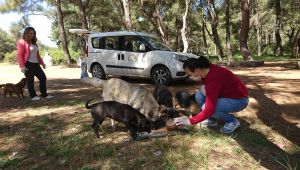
104, 152
169, 165
53, 140
3, 154
87, 168
6, 163
284, 161
253, 138
238, 150
183, 154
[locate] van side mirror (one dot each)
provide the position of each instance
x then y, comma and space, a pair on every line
142, 47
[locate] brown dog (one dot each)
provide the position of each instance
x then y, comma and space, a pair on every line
14, 88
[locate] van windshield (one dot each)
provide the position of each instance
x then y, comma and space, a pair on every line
156, 44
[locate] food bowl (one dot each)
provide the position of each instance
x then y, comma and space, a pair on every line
171, 125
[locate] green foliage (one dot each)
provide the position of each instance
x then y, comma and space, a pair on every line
58, 57
8, 163
16, 28
11, 57
268, 49
6, 45
272, 57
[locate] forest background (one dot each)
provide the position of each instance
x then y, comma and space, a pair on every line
225, 30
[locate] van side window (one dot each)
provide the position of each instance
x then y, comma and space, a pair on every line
111, 43
132, 43
96, 42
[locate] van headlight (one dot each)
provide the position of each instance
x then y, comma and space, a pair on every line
179, 57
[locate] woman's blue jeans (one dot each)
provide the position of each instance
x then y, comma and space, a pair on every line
224, 107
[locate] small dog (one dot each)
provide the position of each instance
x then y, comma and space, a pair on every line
163, 96
14, 88
186, 101
132, 118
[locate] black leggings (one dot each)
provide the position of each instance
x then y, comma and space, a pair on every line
34, 69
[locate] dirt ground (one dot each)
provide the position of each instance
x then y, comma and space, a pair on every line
273, 91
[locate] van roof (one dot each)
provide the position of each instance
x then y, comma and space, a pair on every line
119, 33
114, 33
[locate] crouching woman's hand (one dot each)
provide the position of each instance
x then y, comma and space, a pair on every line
183, 120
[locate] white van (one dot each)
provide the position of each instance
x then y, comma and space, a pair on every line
132, 54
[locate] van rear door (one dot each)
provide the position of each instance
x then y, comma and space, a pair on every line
83, 37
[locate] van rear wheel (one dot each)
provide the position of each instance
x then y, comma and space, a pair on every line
161, 75
97, 71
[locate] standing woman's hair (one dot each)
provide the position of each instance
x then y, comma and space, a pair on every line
25, 35
194, 63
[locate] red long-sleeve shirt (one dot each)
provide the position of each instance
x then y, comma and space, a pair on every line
219, 83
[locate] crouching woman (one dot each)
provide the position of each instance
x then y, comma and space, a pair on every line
224, 93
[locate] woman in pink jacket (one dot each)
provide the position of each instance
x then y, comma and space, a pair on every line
29, 60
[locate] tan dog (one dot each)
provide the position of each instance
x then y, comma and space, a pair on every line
121, 91
14, 88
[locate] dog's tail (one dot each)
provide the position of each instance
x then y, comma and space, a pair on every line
87, 104
93, 81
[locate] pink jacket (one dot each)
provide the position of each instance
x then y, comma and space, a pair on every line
23, 53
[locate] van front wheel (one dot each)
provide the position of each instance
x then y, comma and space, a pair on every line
97, 71
161, 75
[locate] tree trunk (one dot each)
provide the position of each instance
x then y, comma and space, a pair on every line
258, 28
290, 33
62, 32
228, 45
184, 27
296, 45
128, 23
245, 30
83, 19
156, 20
204, 36
278, 48
177, 34
267, 38
160, 24
214, 27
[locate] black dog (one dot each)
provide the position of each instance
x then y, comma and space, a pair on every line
187, 101
164, 97
133, 119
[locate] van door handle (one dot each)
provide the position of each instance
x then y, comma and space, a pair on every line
119, 57
122, 56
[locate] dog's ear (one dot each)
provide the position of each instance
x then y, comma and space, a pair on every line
24, 80
162, 109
